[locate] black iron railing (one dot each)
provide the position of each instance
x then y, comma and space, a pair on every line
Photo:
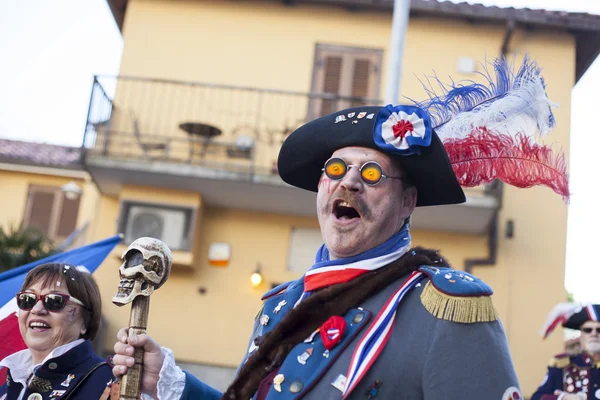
218, 126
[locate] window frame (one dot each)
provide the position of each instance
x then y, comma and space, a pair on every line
347, 53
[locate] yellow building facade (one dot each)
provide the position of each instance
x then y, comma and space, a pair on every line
182, 146
270, 46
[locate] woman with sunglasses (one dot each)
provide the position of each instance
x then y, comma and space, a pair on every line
574, 376
59, 315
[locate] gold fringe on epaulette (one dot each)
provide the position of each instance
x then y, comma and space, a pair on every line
466, 310
560, 362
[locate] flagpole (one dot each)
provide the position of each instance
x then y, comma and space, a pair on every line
394, 71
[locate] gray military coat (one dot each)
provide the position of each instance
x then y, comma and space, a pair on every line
425, 358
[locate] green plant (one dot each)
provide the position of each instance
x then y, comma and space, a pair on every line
22, 246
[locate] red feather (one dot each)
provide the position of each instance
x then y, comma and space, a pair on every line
483, 156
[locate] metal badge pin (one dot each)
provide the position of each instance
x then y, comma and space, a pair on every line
279, 306
361, 114
277, 381
370, 116
264, 319
304, 356
57, 393
67, 381
311, 337
326, 354
339, 382
373, 390
252, 347
340, 118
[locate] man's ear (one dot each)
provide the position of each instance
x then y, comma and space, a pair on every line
409, 199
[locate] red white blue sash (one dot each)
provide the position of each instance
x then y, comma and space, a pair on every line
374, 340
326, 272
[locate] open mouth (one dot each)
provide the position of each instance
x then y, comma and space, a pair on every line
38, 326
344, 211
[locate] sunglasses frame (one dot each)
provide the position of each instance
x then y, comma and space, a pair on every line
42, 298
324, 169
589, 330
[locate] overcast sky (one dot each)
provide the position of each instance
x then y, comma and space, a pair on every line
50, 51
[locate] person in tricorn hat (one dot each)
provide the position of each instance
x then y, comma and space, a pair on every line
373, 317
574, 376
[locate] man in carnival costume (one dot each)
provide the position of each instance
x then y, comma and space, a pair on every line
573, 377
373, 317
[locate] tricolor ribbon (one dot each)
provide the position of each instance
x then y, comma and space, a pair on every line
373, 342
326, 272
591, 312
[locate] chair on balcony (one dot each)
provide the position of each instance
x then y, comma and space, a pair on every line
151, 147
242, 148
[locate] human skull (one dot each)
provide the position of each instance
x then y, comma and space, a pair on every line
146, 266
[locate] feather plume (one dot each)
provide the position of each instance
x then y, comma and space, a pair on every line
558, 316
483, 156
510, 103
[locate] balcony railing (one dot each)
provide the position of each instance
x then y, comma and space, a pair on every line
218, 126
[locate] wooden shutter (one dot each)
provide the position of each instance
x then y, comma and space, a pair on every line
51, 212
331, 82
40, 210
67, 221
360, 81
347, 72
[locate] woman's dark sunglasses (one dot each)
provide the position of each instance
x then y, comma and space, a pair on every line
370, 172
52, 301
590, 330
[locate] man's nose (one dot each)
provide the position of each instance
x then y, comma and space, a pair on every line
352, 180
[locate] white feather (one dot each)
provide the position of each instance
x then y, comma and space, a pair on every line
523, 110
562, 311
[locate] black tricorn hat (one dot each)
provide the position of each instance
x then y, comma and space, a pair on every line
590, 312
404, 133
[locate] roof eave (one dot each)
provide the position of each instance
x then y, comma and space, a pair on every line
585, 27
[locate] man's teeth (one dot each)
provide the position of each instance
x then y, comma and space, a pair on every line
344, 204
39, 325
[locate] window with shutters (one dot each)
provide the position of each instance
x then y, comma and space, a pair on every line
49, 210
352, 75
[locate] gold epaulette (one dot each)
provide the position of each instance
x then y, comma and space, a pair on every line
463, 309
560, 360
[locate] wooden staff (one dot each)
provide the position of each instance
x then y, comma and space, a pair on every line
138, 322
146, 267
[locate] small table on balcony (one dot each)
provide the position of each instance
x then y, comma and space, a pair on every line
202, 130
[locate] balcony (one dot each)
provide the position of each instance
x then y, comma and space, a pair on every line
222, 141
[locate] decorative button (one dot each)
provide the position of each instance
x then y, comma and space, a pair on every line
35, 396
53, 365
358, 317
296, 386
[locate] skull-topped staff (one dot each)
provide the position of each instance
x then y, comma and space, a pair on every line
146, 267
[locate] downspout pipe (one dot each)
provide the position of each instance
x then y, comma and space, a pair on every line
510, 29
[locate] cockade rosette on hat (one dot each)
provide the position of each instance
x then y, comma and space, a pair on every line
402, 129
415, 148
